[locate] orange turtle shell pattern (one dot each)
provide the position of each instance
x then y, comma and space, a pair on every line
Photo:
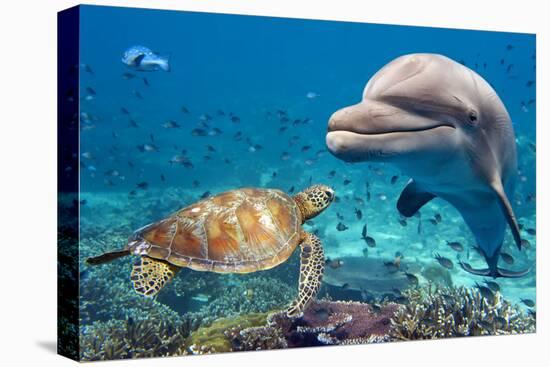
238, 231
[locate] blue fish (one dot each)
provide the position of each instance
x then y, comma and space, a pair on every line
142, 58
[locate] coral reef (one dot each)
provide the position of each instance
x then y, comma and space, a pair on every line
249, 294
323, 323
118, 339
452, 312
335, 322
219, 336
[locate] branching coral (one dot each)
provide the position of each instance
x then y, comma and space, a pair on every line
451, 312
134, 338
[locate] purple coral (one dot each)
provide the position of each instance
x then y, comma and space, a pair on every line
329, 322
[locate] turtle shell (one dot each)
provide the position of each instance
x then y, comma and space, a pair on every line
238, 231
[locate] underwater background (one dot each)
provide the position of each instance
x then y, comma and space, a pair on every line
246, 103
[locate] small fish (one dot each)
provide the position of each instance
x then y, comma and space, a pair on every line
492, 285
162, 178
305, 148
529, 83
433, 221
443, 261
87, 68
341, 227
142, 58
345, 286
285, 156
291, 190
402, 222
178, 159
142, 185
457, 246
184, 109
419, 227
528, 302
127, 76
215, 132
391, 266
146, 82
507, 258
413, 279
112, 173
205, 194
331, 174
235, 119
437, 217
358, 214
147, 148
199, 132
509, 47
394, 179
83, 202
312, 95
525, 243
87, 155
485, 291
171, 124
347, 182
339, 216
137, 94
124, 111
334, 264
91, 91
531, 231
133, 123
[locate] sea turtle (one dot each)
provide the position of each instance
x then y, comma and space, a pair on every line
238, 231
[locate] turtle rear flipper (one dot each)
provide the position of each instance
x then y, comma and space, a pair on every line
312, 267
150, 275
107, 257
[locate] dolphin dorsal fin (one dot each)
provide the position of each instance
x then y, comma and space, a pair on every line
507, 210
412, 199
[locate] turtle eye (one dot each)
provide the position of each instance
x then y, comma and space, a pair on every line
329, 194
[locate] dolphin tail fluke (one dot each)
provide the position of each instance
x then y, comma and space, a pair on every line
507, 211
498, 273
481, 272
503, 273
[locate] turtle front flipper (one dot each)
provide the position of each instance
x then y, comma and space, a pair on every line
312, 267
151, 275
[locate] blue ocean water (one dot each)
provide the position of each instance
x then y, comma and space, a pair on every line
282, 78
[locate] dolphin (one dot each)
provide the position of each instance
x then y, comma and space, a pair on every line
444, 126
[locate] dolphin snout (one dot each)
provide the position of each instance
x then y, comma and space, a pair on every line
340, 119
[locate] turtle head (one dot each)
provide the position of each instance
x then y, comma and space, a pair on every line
314, 200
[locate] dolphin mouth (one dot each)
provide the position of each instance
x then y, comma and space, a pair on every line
361, 146
394, 131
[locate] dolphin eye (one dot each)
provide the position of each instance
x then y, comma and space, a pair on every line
472, 115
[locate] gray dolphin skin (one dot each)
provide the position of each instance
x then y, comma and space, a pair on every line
443, 125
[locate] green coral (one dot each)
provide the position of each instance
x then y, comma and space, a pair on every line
217, 338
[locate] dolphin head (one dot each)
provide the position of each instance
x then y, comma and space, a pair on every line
443, 125
420, 107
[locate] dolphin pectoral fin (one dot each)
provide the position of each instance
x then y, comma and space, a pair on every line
482, 272
507, 211
412, 199
503, 273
